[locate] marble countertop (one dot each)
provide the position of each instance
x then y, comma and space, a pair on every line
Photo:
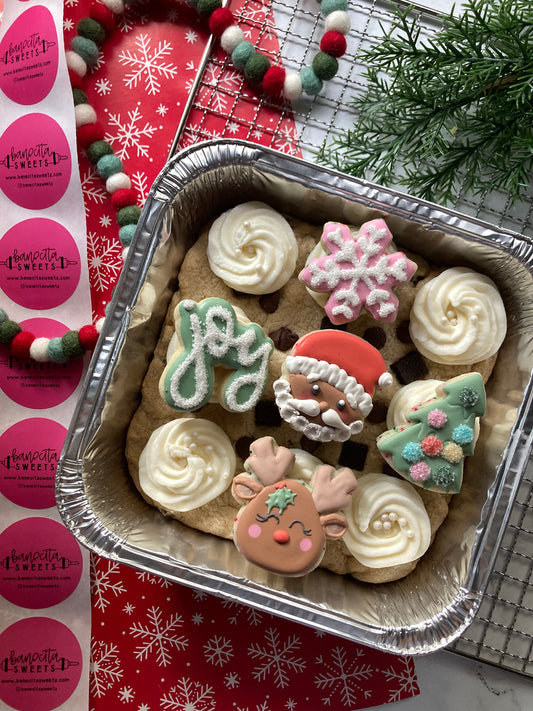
450, 681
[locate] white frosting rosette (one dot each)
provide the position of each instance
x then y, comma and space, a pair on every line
387, 523
411, 395
186, 463
252, 248
458, 318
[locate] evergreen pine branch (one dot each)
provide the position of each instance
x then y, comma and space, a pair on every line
452, 109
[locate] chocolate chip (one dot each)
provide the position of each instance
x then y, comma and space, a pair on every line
269, 302
402, 332
376, 336
267, 414
409, 368
242, 447
309, 445
284, 339
326, 323
353, 455
378, 413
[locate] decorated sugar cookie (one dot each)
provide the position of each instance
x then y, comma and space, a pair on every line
218, 356
284, 523
358, 272
327, 384
430, 450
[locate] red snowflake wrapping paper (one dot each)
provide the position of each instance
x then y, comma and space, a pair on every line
156, 644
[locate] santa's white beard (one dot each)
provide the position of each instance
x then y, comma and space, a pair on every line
296, 413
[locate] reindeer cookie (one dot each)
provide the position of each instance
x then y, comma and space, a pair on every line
284, 523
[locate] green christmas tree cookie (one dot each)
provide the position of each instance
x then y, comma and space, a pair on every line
430, 450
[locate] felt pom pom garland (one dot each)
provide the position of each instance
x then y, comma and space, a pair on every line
273, 80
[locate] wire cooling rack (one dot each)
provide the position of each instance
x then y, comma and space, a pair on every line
221, 105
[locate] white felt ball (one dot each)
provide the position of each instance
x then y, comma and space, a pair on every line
39, 350
99, 324
116, 6
84, 114
76, 63
230, 38
292, 86
117, 181
338, 21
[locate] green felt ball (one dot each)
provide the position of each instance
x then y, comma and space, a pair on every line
311, 84
109, 165
56, 352
8, 331
86, 48
125, 234
128, 215
325, 66
329, 6
3, 316
242, 53
97, 150
72, 347
89, 28
206, 7
79, 96
255, 67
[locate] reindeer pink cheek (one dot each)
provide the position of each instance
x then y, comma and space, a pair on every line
306, 544
254, 531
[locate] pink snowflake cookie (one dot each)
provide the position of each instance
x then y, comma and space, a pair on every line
358, 271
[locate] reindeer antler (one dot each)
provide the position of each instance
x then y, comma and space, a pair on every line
269, 462
330, 492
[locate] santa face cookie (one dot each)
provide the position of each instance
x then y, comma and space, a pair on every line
284, 523
327, 385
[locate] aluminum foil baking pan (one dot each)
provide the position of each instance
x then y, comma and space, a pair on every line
100, 505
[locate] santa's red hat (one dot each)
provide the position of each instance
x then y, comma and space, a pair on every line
351, 358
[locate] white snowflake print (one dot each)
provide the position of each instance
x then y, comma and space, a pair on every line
218, 650
191, 37
276, 658
232, 680
147, 64
158, 637
290, 704
104, 257
139, 181
342, 676
189, 695
93, 189
102, 583
197, 618
143, 707
71, 3
237, 610
129, 134
287, 141
105, 221
128, 608
406, 680
126, 694
103, 87
154, 579
162, 110
105, 668
67, 25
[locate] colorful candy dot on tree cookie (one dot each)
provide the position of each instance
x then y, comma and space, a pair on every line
284, 523
327, 384
219, 354
358, 271
431, 448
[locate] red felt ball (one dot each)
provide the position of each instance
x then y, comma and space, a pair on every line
20, 345
123, 198
76, 82
89, 133
219, 20
88, 336
333, 43
100, 13
273, 81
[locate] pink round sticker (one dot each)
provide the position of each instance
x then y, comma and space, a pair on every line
39, 263
40, 664
40, 563
39, 385
35, 161
29, 453
29, 55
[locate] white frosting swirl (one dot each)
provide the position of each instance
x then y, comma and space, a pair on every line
252, 248
186, 463
458, 318
387, 523
406, 398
